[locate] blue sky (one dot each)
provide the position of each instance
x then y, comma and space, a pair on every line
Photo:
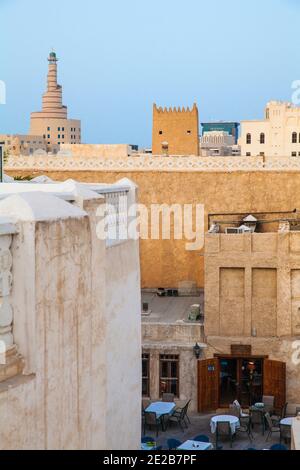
117, 57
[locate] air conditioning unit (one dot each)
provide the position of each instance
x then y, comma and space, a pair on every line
230, 230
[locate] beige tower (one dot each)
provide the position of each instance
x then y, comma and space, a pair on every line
52, 122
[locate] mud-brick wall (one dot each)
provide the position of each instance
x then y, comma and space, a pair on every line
164, 262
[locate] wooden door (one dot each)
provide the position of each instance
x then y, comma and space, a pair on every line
208, 385
275, 382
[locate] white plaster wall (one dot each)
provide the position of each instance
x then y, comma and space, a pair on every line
123, 308
18, 415
119, 404
63, 331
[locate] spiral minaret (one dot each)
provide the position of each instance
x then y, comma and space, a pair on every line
52, 121
52, 99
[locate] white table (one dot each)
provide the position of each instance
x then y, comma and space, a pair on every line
195, 445
233, 420
160, 408
287, 421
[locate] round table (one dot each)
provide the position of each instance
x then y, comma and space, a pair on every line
233, 420
287, 421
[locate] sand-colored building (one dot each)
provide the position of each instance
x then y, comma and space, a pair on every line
52, 122
69, 320
252, 304
248, 337
277, 135
175, 131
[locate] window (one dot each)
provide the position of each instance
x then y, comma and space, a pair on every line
294, 154
145, 375
62, 128
44, 136
58, 128
160, 132
48, 128
48, 143
267, 113
294, 137
58, 143
262, 154
63, 136
248, 154
189, 132
48, 136
248, 139
262, 138
58, 136
169, 374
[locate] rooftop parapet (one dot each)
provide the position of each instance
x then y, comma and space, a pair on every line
174, 109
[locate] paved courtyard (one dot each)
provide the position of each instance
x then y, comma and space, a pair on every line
200, 424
